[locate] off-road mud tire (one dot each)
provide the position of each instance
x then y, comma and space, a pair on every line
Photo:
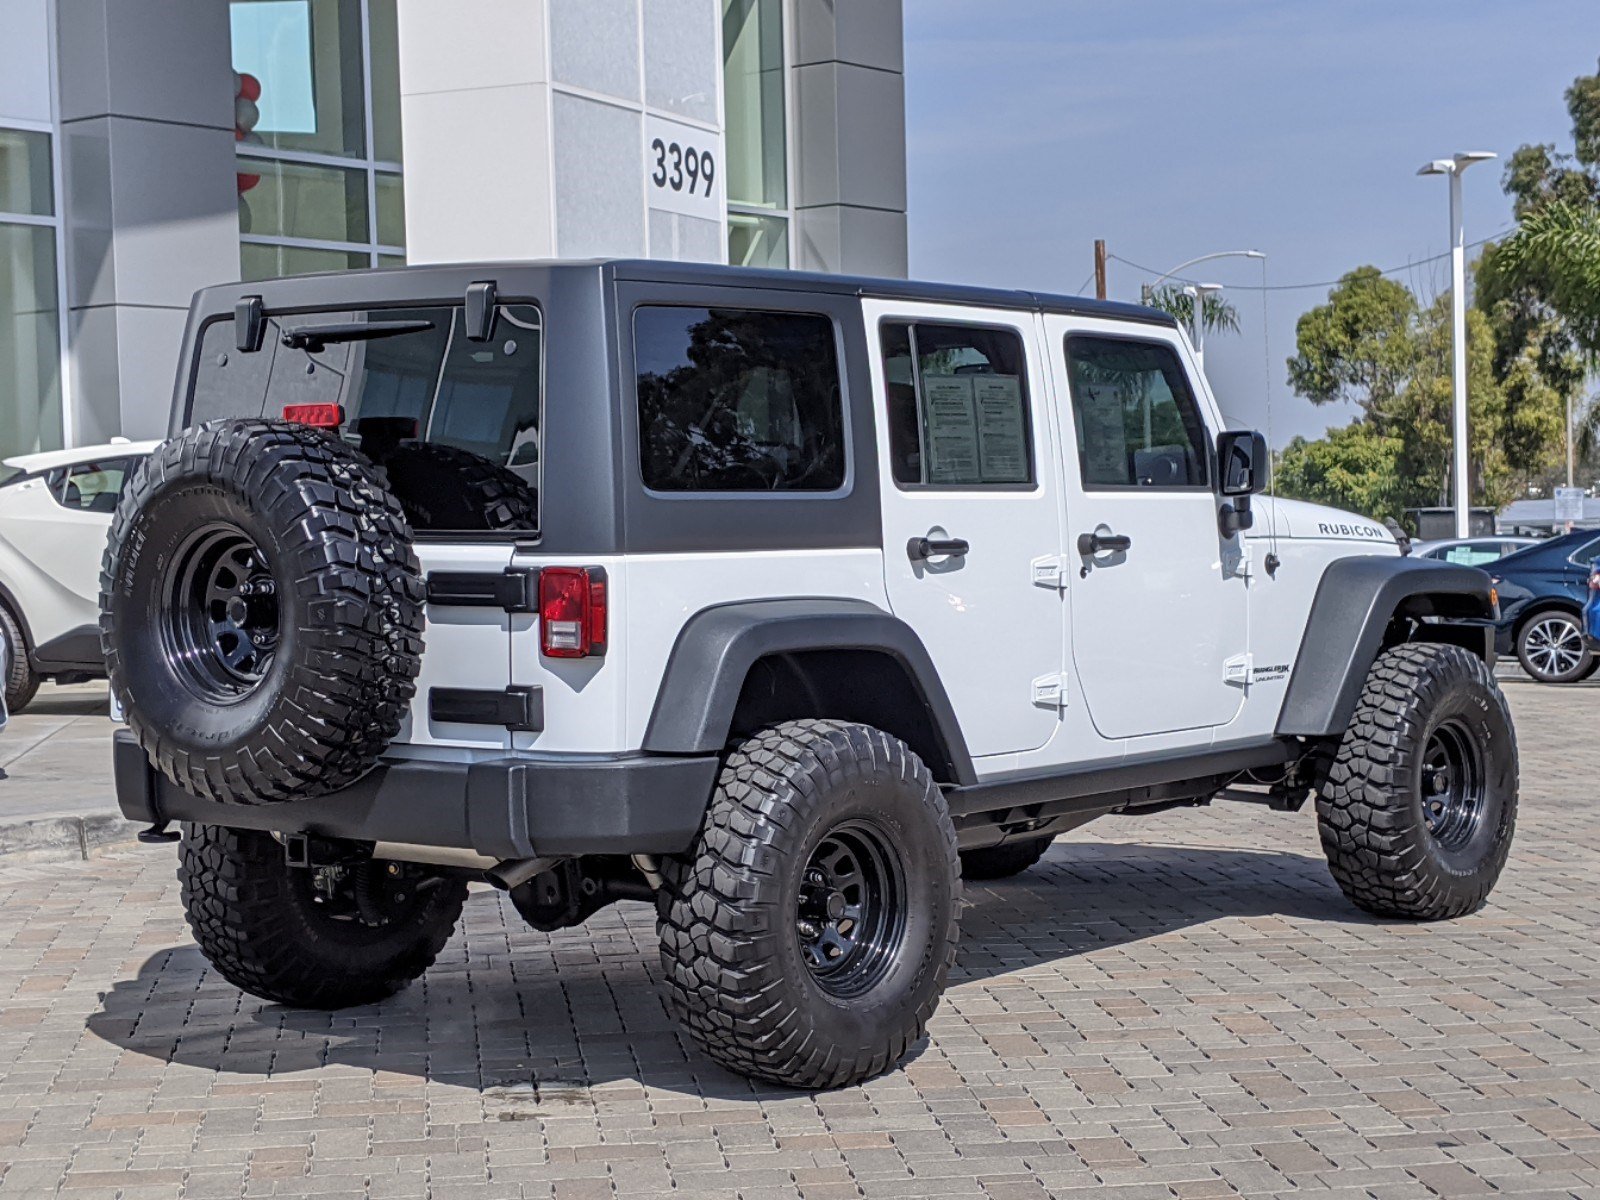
1370, 811
21, 683
735, 973
257, 923
349, 594
1003, 861
440, 486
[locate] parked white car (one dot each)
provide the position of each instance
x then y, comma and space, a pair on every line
55, 511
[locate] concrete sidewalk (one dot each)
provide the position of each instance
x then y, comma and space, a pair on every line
56, 795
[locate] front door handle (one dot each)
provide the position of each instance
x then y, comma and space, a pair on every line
920, 548
1090, 544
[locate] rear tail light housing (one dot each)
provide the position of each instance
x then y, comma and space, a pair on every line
572, 612
1594, 580
318, 416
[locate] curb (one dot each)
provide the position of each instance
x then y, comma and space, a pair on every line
65, 837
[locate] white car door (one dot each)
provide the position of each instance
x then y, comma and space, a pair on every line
1159, 607
60, 527
970, 484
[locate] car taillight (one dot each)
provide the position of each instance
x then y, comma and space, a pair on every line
572, 611
318, 416
1594, 581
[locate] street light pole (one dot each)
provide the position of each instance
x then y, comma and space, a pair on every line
1197, 319
1453, 167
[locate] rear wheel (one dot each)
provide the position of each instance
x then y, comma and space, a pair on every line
1004, 861
326, 937
1418, 810
1552, 648
21, 683
806, 938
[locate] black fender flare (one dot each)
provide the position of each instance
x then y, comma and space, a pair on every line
1355, 602
717, 646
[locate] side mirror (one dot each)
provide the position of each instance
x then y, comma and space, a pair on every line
1242, 465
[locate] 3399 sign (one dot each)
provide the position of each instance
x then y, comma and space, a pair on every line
683, 168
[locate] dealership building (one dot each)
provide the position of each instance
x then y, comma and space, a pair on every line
152, 147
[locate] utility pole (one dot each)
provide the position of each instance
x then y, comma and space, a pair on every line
1099, 268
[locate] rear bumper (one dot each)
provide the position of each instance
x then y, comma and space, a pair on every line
503, 808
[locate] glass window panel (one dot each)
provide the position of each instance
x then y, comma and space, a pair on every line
385, 51
273, 262
25, 185
305, 60
1136, 420
391, 261
301, 201
391, 209
455, 423
733, 400
92, 487
958, 406
758, 241
30, 340
753, 102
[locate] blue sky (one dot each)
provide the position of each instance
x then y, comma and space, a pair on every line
1173, 129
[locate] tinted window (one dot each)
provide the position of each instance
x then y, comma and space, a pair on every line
1587, 554
454, 422
90, 487
1136, 420
734, 400
958, 405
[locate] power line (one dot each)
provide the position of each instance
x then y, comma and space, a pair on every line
1300, 287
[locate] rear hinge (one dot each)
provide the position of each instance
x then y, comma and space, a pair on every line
516, 589
1049, 571
1050, 691
1237, 670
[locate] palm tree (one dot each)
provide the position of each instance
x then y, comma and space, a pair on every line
1557, 251
1219, 315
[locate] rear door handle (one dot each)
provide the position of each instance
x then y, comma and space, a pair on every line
920, 548
1090, 544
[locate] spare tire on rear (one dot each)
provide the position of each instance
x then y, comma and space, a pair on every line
260, 611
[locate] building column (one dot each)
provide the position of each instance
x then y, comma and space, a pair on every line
529, 125
849, 118
150, 206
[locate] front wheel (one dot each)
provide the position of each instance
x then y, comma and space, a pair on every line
1419, 806
806, 937
1551, 647
327, 937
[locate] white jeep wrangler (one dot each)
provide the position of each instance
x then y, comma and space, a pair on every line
779, 600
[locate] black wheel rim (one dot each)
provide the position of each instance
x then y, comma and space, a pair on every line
220, 613
1452, 785
851, 913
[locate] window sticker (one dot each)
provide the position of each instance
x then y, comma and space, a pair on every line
1002, 437
951, 428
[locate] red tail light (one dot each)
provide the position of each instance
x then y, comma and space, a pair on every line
318, 416
572, 611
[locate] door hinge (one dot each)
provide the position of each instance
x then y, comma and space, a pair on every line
1237, 669
1049, 571
1050, 691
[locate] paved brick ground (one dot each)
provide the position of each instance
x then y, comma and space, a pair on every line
1176, 1007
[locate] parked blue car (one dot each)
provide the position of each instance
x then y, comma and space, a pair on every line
1591, 612
1543, 592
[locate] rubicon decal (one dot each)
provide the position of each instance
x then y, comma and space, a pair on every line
1373, 532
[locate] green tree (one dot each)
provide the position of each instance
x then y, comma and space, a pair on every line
1354, 467
1541, 289
1374, 345
1220, 316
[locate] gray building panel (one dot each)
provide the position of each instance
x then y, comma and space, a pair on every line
865, 33
153, 59
863, 241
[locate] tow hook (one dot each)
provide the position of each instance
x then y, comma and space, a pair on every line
158, 834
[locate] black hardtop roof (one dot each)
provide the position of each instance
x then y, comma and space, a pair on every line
444, 281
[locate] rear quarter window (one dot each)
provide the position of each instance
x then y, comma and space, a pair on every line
738, 400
